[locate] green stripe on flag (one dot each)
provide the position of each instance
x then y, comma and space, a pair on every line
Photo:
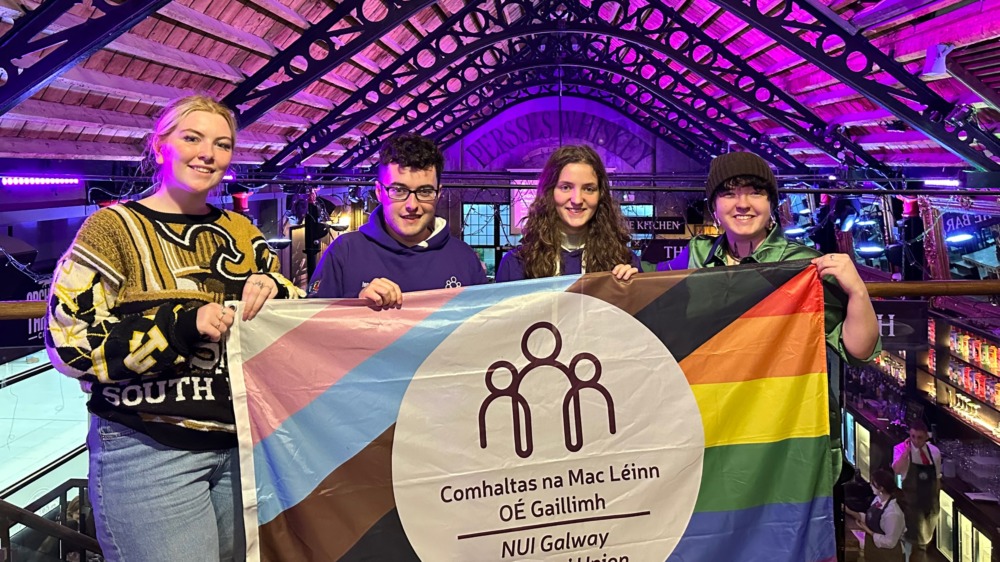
788, 471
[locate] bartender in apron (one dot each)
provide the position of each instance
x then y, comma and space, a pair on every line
919, 464
883, 523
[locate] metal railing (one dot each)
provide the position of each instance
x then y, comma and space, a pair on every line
69, 540
23, 310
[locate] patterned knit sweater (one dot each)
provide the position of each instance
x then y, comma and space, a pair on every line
122, 317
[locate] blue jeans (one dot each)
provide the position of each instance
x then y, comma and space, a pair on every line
153, 503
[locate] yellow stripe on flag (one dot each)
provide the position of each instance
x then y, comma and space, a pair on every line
763, 410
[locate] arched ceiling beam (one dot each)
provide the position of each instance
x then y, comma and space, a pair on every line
61, 50
322, 47
541, 83
434, 103
469, 105
537, 52
446, 46
517, 94
834, 46
689, 45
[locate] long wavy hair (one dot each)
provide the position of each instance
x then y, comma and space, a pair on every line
607, 235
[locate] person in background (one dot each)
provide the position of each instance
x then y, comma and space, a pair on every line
913, 226
136, 314
884, 522
918, 463
404, 247
574, 225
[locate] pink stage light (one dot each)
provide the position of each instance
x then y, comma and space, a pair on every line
29, 180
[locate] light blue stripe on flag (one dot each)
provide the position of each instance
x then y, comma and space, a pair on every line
342, 421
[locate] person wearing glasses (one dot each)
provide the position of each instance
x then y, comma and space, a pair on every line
404, 247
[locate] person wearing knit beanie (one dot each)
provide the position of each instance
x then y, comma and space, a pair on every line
739, 164
742, 196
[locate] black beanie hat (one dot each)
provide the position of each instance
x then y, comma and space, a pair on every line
727, 166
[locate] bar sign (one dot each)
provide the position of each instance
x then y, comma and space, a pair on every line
656, 225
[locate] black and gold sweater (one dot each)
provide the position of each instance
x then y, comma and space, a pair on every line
122, 317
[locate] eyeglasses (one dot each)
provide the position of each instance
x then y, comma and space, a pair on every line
402, 194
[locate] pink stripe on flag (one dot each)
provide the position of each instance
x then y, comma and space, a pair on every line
318, 363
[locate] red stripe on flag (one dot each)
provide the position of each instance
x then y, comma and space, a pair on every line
802, 293
781, 336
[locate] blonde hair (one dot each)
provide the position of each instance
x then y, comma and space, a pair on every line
175, 111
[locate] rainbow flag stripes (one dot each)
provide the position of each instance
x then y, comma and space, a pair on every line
682, 416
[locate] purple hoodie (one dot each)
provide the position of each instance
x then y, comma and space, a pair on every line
511, 268
355, 258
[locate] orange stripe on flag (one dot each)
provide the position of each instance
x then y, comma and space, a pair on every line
758, 348
802, 293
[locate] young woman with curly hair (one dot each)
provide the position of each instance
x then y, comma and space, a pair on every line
574, 226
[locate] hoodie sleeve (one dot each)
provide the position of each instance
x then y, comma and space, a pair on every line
510, 268
327, 281
478, 273
679, 262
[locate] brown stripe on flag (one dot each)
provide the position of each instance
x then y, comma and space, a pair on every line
335, 515
632, 295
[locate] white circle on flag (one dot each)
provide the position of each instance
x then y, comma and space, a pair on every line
546, 427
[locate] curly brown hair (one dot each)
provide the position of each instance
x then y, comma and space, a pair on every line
607, 234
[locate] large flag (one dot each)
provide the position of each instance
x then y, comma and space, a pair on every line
680, 416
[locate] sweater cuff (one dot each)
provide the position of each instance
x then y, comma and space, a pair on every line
186, 331
282, 289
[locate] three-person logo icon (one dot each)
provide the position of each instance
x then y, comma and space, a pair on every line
571, 404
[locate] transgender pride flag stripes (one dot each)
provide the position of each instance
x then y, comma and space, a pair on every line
357, 426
